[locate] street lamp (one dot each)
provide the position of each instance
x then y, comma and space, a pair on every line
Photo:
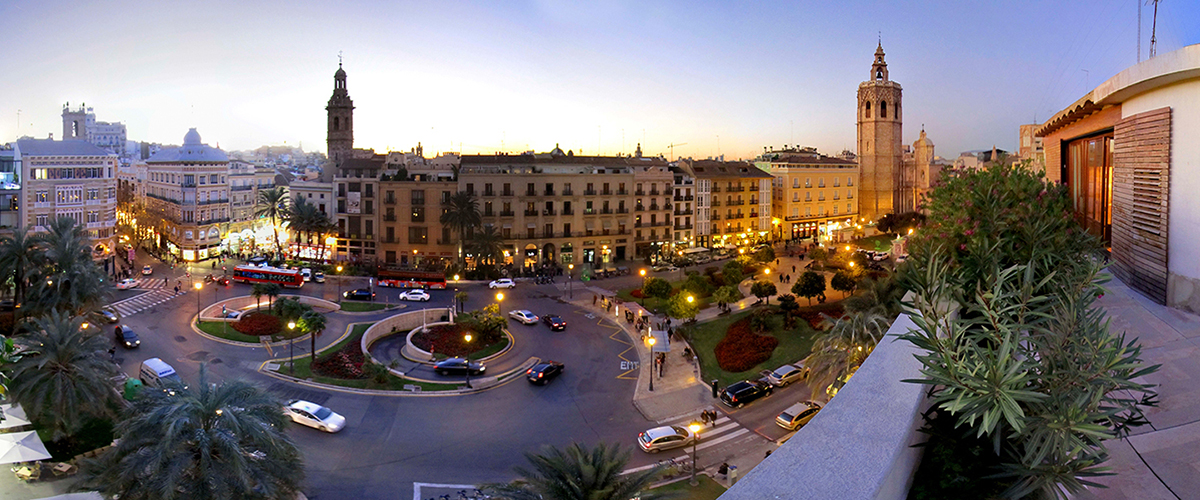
643, 273
292, 346
198, 285
695, 428
499, 305
570, 274
652, 341
339, 280
467, 337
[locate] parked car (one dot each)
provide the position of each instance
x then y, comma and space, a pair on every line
555, 322
797, 415
359, 294
502, 283
314, 415
155, 372
880, 256
745, 392
542, 373
664, 438
787, 374
306, 273
319, 277
126, 284
901, 258
458, 366
523, 316
417, 295
147, 270
665, 268
126, 337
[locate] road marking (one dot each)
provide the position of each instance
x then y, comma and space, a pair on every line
417, 488
708, 438
139, 303
628, 365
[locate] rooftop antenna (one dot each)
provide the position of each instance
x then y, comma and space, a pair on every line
1153, 27
1138, 3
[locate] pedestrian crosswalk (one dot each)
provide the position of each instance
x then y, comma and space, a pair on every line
134, 305
725, 431
149, 283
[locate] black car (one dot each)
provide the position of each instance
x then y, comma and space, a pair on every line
744, 392
458, 366
555, 322
359, 294
541, 373
126, 337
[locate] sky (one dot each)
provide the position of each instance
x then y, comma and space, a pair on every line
713, 78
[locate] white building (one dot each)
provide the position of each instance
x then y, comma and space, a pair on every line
71, 178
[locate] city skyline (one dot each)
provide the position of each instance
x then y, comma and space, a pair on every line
480, 78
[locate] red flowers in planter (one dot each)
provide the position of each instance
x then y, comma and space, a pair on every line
742, 349
346, 363
446, 339
258, 324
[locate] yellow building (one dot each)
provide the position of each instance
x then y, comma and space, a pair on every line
733, 205
812, 194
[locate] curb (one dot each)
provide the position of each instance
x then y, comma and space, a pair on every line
364, 313
511, 342
380, 392
236, 343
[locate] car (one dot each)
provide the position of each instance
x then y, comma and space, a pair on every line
319, 277
127, 284
359, 294
880, 256
502, 283
543, 372
901, 258
664, 438
126, 337
523, 316
108, 316
745, 392
233, 314
222, 280
306, 273
416, 294
665, 268
555, 322
458, 366
787, 374
797, 415
147, 270
314, 415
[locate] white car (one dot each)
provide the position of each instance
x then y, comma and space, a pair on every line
315, 416
787, 374
665, 268
147, 270
502, 283
306, 273
664, 438
415, 295
127, 284
523, 316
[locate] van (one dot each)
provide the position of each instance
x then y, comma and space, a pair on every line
157, 373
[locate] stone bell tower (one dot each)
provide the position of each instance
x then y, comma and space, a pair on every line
339, 138
880, 143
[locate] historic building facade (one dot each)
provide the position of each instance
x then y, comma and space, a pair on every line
339, 136
188, 187
811, 192
734, 202
880, 142
73, 179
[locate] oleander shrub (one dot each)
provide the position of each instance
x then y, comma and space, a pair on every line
258, 324
742, 349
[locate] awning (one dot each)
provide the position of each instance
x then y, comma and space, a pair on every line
590, 224
508, 226
21, 447
695, 250
662, 341
14, 416
607, 224
532, 225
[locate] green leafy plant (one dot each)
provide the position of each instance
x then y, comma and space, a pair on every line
811, 284
656, 288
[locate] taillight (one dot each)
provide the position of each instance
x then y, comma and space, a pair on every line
540, 375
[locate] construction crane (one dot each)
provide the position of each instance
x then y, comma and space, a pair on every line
672, 148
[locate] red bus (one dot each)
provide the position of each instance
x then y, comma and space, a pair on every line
412, 279
253, 274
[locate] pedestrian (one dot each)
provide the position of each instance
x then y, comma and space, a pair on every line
165, 281
112, 353
793, 268
767, 455
781, 278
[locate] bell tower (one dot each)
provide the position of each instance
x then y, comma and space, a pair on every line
339, 138
880, 143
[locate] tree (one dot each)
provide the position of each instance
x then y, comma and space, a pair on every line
787, 304
726, 295
487, 245
818, 254
763, 289
460, 298
656, 288
313, 323
680, 308
291, 309
488, 323
224, 440
258, 290
767, 254
271, 290
697, 284
67, 279
811, 284
273, 203
62, 376
9, 354
461, 214
843, 282
18, 254
579, 473
731, 272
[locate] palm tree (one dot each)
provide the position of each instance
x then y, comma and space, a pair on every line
272, 203
67, 278
844, 347
272, 290
488, 244
578, 474
258, 290
314, 323
18, 254
461, 213
62, 377
206, 441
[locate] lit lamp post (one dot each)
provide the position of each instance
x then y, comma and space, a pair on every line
467, 338
198, 285
695, 428
643, 273
292, 346
570, 274
339, 280
652, 341
499, 303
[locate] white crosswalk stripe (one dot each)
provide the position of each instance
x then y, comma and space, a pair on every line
134, 305
150, 283
724, 430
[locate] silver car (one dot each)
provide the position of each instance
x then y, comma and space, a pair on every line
787, 374
665, 438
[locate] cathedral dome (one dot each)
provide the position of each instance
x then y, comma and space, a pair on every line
341, 73
192, 138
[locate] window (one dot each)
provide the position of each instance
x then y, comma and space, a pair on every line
418, 235
42, 220
418, 197
1089, 170
867, 109
42, 197
795, 182
883, 109
418, 214
795, 196
836, 182
849, 181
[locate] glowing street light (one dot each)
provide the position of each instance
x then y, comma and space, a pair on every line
652, 340
292, 346
695, 428
198, 286
467, 338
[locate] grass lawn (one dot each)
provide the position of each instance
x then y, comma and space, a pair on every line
793, 346
225, 331
654, 304
879, 242
362, 306
682, 490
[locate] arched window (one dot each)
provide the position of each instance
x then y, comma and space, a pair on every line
336, 123
883, 109
867, 113
879, 75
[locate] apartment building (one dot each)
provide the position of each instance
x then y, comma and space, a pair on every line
356, 214
684, 209
812, 194
565, 209
412, 234
246, 180
10, 189
74, 179
733, 207
188, 189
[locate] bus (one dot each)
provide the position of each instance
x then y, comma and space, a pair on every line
253, 274
412, 279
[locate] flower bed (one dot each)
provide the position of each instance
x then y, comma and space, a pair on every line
445, 339
742, 349
258, 324
345, 363
816, 315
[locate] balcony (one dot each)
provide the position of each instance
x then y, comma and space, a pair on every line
568, 192
548, 234
622, 192
753, 201
489, 192
738, 189
667, 206
622, 210
240, 188
531, 213
589, 192
639, 208
390, 200
507, 192
530, 192
549, 192
683, 198
639, 238
637, 224
606, 193
736, 203
606, 211
506, 213
682, 226
753, 214
654, 192
389, 217
214, 202
683, 212
716, 189
589, 211
568, 211
488, 213
716, 203
212, 221
548, 212
640, 192
653, 206
389, 239
716, 216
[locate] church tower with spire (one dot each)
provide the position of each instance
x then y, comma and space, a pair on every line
339, 137
880, 142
